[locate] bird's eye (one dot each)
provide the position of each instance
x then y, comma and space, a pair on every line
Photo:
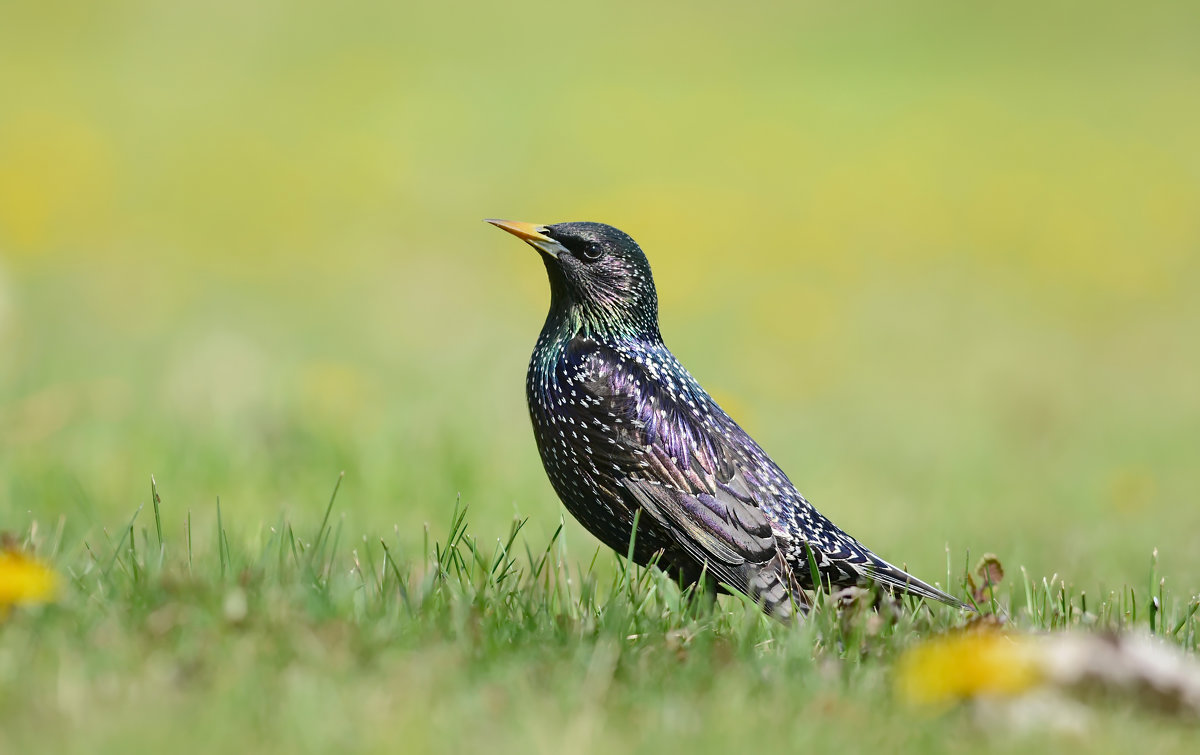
591, 251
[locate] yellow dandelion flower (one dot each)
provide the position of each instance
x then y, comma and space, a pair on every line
968, 664
24, 579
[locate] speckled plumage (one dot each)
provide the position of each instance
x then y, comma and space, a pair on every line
621, 426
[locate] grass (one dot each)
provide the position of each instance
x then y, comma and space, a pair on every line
311, 639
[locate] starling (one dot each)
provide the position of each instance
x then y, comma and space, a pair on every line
627, 436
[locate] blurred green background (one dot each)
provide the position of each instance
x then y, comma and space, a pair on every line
941, 259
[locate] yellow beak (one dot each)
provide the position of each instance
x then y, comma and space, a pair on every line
531, 233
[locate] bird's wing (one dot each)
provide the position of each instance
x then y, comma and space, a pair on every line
681, 472
695, 473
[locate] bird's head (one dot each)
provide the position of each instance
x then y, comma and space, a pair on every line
599, 278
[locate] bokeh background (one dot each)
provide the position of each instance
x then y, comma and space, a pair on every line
941, 259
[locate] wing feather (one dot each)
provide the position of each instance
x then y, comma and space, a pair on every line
681, 474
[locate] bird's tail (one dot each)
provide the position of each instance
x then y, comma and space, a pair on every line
885, 574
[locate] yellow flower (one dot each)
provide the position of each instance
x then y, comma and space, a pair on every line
24, 579
968, 664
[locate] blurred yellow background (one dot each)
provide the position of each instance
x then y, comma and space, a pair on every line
941, 259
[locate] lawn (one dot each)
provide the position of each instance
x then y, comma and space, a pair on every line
941, 262
322, 641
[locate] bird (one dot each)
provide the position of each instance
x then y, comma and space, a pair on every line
644, 458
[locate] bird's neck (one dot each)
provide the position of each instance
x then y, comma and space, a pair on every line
565, 322
605, 322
